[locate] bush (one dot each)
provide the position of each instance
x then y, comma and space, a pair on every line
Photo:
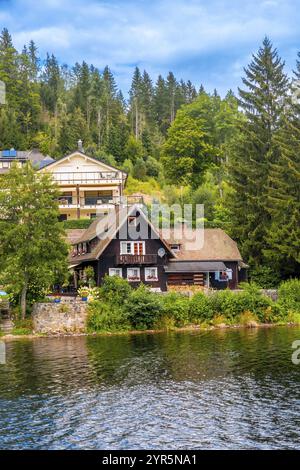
289, 295
176, 307
200, 308
22, 327
76, 224
264, 277
102, 317
144, 308
248, 319
115, 290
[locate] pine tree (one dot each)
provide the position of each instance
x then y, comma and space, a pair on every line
255, 150
9, 68
282, 248
50, 83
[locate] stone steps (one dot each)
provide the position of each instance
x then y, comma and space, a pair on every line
6, 325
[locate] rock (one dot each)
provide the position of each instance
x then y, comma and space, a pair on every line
251, 324
221, 325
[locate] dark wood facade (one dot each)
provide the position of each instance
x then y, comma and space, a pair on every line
153, 252
111, 258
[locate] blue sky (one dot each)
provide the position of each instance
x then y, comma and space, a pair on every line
208, 42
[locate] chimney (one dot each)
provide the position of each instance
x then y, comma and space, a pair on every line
80, 148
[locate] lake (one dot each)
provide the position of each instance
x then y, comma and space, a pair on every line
218, 389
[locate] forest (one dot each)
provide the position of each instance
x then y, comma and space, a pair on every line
239, 154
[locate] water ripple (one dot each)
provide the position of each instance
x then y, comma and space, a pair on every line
213, 390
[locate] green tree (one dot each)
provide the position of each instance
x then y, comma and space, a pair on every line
33, 253
186, 152
255, 150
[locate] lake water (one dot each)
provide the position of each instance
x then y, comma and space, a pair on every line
218, 389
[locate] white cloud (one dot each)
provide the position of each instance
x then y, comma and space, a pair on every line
161, 35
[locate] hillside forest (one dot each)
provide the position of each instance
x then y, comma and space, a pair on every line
238, 154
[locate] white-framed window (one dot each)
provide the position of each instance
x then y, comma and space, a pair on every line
115, 272
151, 274
223, 276
132, 248
133, 274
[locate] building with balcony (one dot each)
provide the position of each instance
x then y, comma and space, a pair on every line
89, 188
126, 244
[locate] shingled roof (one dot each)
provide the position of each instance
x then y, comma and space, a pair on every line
217, 245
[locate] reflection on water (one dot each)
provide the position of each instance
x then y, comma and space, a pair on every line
218, 389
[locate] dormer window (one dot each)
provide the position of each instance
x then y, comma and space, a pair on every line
175, 247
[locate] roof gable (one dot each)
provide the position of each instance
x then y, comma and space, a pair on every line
111, 225
78, 158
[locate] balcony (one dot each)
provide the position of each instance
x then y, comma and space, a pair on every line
136, 259
66, 201
88, 177
94, 202
98, 201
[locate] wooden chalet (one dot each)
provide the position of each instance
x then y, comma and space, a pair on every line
126, 244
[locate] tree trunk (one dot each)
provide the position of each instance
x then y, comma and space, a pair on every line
23, 300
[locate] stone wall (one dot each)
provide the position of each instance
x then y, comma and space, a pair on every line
65, 317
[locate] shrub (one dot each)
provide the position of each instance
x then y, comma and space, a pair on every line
22, 327
219, 320
76, 224
264, 277
176, 306
289, 295
248, 319
144, 308
102, 317
294, 317
200, 308
254, 301
115, 290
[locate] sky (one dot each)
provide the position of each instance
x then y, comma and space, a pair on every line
208, 42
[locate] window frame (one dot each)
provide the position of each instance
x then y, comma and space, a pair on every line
132, 247
133, 279
120, 270
146, 276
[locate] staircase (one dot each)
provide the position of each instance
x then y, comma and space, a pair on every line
6, 324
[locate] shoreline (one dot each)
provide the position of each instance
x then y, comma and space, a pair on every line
190, 328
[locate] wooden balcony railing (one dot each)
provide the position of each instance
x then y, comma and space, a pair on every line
136, 259
87, 177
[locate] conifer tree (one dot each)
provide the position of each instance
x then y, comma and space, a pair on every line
262, 101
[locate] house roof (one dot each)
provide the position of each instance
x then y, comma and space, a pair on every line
74, 234
194, 266
216, 246
78, 152
106, 228
213, 246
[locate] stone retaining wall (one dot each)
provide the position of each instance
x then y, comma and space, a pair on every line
59, 318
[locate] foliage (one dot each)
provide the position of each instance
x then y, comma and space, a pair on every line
200, 308
76, 224
89, 275
144, 308
264, 277
32, 248
255, 151
22, 327
115, 290
176, 306
289, 295
102, 317
247, 319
